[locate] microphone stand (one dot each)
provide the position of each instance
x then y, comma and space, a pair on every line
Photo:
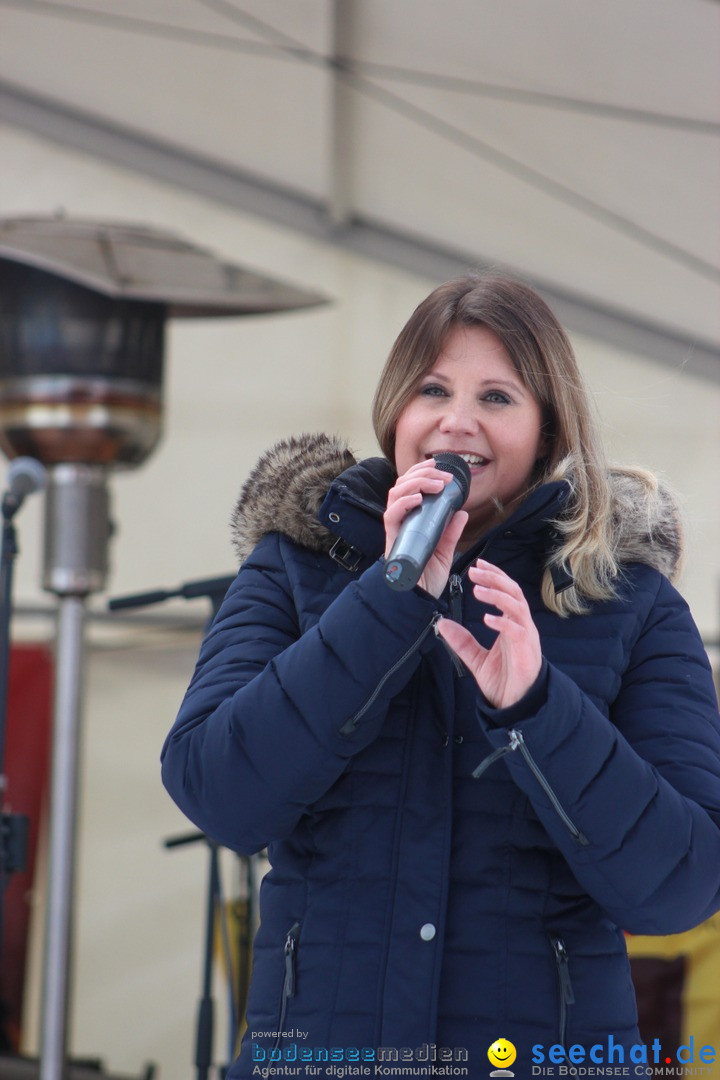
205, 1027
206, 1009
214, 589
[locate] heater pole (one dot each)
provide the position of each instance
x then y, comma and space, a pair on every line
63, 818
77, 531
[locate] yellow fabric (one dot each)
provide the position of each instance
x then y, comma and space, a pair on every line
701, 992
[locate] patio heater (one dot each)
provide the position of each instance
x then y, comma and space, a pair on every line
83, 308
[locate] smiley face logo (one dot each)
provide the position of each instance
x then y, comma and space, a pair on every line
502, 1053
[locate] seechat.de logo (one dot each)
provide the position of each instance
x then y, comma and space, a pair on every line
501, 1054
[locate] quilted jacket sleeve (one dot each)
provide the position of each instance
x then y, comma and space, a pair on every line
272, 717
632, 802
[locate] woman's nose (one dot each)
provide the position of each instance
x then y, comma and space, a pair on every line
459, 416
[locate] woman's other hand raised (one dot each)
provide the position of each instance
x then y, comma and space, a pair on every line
507, 670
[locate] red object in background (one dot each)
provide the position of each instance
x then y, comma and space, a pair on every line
27, 761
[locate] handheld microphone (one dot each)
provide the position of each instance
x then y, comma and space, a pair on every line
421, 530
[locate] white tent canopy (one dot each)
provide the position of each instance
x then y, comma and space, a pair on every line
574, 143
364, 150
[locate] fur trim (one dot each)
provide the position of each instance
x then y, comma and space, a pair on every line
285, 490
647, 521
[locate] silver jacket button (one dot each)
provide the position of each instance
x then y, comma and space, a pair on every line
427, 932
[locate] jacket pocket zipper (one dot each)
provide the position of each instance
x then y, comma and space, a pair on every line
289, 982
517, 742
567, 994
349, 726
491, 759
517, 737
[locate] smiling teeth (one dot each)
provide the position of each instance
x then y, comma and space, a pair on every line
471, 459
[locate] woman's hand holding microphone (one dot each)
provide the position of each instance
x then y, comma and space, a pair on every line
424, 478
505, 672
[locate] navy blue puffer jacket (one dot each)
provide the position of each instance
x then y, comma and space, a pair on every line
410, 903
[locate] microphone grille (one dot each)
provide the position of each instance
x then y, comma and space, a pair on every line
457, 467
25, 476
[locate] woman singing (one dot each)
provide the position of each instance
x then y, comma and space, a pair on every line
468, 790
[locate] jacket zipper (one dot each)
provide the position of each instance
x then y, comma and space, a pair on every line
349, 726
567, 994
517, 742
491, 759
290, 955
455, 613
373, 508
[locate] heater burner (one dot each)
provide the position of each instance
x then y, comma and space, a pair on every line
80, 373
65, 419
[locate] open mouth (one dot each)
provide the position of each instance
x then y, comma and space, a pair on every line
475, 461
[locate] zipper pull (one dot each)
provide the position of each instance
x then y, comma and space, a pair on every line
455, 593
290, 951
516, 738
561, 957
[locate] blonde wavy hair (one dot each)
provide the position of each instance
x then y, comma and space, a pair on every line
545, 361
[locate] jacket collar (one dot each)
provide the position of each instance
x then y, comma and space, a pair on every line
354, 505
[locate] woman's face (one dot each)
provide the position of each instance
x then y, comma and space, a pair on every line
473, 403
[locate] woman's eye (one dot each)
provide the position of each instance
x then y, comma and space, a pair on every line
432, 390
497, 397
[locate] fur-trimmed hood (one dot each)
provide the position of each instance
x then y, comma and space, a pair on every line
290, 481
284, 492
